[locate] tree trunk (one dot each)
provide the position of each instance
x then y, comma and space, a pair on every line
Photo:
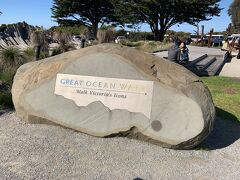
162, 33
197, 34
95, 30
156, 35
37, 52
159, 35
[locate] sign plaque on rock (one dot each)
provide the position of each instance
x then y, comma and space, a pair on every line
109, 90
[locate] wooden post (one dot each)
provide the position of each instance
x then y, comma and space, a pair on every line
210, 37
229, 29
202, 42
197, 33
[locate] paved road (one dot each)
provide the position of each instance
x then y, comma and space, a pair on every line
195, 52
231, 69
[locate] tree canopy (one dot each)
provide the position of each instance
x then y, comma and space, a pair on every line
160, 15
234, 12
90, 13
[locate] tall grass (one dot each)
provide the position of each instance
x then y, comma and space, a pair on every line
105, 35
11, 57
10, 60
29, 54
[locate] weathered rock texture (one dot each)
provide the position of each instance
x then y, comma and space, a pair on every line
182, 109
16, 35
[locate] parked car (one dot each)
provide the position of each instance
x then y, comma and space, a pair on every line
119, 39
231, 43
217, 41
232, 38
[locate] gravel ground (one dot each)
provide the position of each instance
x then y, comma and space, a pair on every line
33, 151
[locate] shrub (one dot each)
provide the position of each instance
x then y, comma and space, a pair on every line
11, 56
11, 59
56, 51
43, 55
61, 49
66, 47
148, 46
140, 36
105, 35
6, 99
7, 74
73, 30
29, 53
131, 44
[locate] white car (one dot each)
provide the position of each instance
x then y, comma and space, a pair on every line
120, 38
233, 42
233, 37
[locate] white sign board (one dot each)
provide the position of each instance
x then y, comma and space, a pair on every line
131, 95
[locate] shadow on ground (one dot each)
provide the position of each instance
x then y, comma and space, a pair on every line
225, 132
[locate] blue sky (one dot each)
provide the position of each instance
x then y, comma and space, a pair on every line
37, 12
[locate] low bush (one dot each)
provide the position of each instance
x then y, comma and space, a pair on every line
29, 54
11, 56
11, 59
148, 46
7, 74
56, 51
6, 100
105, 35
62, 48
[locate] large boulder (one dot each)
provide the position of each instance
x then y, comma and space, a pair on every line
177, 113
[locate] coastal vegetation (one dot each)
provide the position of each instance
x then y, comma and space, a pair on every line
233, 12
160, 15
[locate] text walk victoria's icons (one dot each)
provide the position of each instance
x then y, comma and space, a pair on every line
127, 94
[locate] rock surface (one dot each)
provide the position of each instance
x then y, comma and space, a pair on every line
17, 35
182, 109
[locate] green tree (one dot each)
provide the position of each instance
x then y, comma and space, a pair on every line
234, 12
90, 13
3, 27
160, 15
73, 30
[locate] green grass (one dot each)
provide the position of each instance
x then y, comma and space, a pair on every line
226, 96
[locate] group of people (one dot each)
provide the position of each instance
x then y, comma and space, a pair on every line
179, 52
